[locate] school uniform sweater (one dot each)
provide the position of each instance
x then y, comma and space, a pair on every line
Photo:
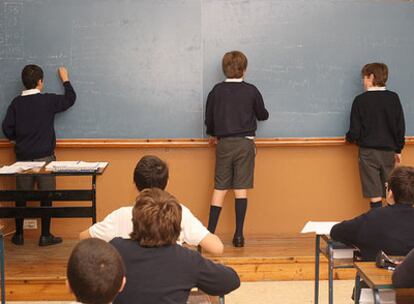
403, 276
389, 229
165, 275
30, 122
377, 121
233, 109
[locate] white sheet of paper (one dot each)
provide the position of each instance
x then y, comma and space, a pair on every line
321, 228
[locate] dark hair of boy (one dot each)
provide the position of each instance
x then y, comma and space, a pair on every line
380, 72
95, 272
234, 64
156, 218
401, 183
151, 172
31, 74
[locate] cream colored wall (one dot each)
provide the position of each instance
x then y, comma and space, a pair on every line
292, 185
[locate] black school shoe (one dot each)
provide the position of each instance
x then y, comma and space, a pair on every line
238, 241
17, 239
49, 240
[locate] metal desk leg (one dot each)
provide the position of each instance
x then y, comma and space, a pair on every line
330, 272
357, 290
94, 199
3, 290
317, 248
377, 299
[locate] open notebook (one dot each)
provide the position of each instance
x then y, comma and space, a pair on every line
75, 166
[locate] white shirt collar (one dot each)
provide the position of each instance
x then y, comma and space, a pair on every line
234, 80
376, 89
30, 92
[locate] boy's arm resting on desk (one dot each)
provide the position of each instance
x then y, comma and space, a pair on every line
216, 279
9, 123
105, 230
355, 125
195, 233
403, 276
259, 108
347, 231
212, 244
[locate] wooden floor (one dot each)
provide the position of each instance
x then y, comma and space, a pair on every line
39, 273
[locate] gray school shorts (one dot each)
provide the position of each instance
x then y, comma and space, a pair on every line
234, 163
375, 167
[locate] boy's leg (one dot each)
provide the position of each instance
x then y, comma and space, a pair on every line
222, 180
370, 174
243, 180
47, 183
388, 164
22, 183
215, 209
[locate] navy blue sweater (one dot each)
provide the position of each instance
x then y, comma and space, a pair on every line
377, 121
30, 122
233, 109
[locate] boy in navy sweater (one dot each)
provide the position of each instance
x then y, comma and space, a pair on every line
378, 128
232, 110
30, 123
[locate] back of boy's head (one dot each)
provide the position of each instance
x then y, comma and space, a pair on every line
151, 172
401, 183
380, 72
31, 75
156, 218
234, 64
95, 272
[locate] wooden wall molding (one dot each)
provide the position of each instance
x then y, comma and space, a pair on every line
193, 143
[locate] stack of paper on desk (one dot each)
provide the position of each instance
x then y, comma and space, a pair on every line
21, 166
75, 166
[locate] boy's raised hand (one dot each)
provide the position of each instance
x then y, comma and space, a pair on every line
63, 74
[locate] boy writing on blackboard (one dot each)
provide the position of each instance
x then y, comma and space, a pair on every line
232, 110
29, 122
377, 127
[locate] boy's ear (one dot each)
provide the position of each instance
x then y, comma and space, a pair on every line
122, 284
390, 197
68, 286
40, 83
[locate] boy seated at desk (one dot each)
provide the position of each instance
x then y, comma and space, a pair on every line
150, 172
95, 272
158, 269
389, 228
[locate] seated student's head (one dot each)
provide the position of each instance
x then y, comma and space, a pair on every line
151, 172
156, 218
95, 272
374, 75
234, 64
32, 77
401, 185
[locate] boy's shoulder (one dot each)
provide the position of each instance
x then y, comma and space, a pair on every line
370, 94
225, 84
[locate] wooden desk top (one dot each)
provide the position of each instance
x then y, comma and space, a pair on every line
377, 278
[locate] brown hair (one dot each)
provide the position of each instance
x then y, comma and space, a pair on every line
401, 183
156, 218
151, 172
380, 72
95, 272
234, 63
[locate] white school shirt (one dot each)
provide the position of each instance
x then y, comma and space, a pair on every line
119, 224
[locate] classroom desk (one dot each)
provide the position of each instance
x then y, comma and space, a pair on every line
376, 279
332, 264
51, 195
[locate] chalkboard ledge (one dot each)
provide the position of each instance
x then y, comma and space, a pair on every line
192, 143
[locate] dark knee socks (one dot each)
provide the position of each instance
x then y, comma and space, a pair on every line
240, 207
213, 218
